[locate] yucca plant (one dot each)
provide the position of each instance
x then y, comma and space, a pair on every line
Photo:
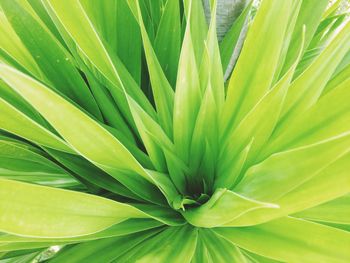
122, 141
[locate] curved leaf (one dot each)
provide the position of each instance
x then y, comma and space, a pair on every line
292, 240
39, 211
224, 206
14, 121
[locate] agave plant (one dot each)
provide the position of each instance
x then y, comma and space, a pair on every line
121, 140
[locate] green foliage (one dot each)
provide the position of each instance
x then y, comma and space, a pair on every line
125, 135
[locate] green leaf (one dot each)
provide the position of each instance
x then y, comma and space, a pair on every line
232, 170
143, 121
175, 244
112, 114
39, 8
15, 100
204, 144
343, 64
195, 17
255, 258
292, 240
110, 18
251, 134
104, 250
78, 25
89, 174
210, 69
224, 206
307, 88
335, 211
18, 123
340, 77
230, 43
215, 244
39, 211
328, 184
168, 40
44, 100
97, 144
332, 9
320, 41
329, 117
309, 16
160, 148
253, 74
12, 45
278, 175
12, 243
73, 20
29, 256
24, 163
201, 254
53, 60
164, 214
187, 97
162, 91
